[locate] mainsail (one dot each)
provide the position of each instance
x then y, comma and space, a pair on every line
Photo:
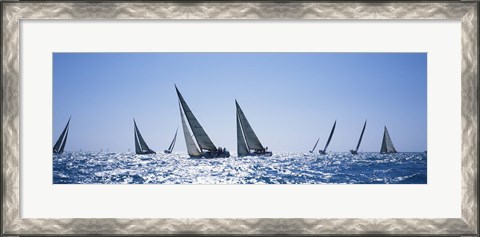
242, 148
141, 146
387, 144
313, 149
361, 136
200, 135
250, 137
170, 148
62, 140
191, 146
330, 137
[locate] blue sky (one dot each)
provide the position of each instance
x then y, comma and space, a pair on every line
290, 99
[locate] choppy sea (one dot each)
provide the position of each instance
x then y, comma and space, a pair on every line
281, 168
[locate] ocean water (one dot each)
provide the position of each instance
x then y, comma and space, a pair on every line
281, 168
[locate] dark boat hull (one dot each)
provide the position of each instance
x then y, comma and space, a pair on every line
266, 153
322, 152
213, 154
354, 152
145, 153
167, 151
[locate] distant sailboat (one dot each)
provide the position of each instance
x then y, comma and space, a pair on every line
170, 148
141, 147
206, 148
62, 140
313, 149
387, 144
355, 152
324, 151
247, 140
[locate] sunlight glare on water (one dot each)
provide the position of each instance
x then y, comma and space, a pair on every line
281, 168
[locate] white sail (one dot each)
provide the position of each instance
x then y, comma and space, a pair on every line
387, 144
191, 146
242, 148
201, 136
251, 138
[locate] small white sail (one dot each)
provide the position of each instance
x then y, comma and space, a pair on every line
191, 146
242, 148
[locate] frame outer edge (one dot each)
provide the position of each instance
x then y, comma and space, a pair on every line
10, 118
470, 118
13, 12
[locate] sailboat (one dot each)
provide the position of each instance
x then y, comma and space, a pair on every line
387, 144
204, 147
247, 140
141, 147
313, 149
62, 140
170, 148
355, 152
324, 151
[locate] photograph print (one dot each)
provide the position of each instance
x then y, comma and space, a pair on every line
239, 118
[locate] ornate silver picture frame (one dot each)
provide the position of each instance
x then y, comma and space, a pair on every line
14, 12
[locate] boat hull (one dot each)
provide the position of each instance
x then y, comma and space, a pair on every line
145, 153
213, 154
322, 152
388, 152
266, 153
354, 152
167, 151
